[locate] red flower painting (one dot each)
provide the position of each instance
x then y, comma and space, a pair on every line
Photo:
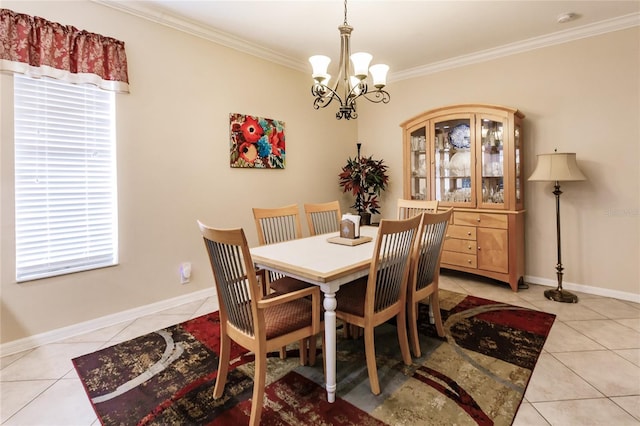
251, 130
256, 142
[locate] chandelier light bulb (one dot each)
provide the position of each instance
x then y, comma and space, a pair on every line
320, 64
361, 61
379, 75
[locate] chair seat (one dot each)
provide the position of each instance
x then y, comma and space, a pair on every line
351, 297
288, 317
288, 284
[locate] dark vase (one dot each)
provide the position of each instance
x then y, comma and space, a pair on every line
365, 218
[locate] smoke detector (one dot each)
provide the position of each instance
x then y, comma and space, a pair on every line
566, 17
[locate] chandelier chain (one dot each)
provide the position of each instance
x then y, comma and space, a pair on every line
345, 12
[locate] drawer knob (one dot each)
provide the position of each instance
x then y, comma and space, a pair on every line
469, 233
478, 220
469, 261
478, 247
469, 247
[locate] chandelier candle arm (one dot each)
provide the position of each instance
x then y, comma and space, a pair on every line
351, 82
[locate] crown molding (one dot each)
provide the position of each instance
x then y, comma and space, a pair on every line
225, 39
140, 10
591, 30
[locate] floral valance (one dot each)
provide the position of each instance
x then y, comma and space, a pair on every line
37, 47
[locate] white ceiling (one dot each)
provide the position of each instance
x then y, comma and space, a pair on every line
412, 37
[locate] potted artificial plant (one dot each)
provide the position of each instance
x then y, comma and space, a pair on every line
365, 178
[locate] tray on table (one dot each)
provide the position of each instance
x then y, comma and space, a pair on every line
350, 241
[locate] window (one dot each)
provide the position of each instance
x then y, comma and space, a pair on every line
65, 178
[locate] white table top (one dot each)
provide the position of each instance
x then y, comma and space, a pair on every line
317, 261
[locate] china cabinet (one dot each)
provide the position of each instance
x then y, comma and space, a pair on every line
469, 157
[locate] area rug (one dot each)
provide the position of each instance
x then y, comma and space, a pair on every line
476, 374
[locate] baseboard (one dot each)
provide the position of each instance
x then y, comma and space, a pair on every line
598, 291
56, 335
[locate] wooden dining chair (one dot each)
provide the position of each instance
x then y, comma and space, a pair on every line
257, 322
374, 299
425, 273
275, 225
323, 218
410, 208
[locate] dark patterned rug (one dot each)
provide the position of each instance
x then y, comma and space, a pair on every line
477, 374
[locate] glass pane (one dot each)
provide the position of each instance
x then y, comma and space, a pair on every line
452, 158
492, 162
418, 165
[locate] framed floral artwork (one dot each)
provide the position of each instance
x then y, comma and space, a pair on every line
256, 142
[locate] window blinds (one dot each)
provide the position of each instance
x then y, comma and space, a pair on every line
65, 178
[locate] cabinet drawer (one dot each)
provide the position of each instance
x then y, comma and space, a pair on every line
488, 220
461, 232
460, 246
460, 259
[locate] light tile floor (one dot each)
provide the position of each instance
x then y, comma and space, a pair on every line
588, 372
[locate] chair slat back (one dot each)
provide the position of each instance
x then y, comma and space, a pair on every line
389, 271
410, 208
428, 249
323, 218
235, 276
277, 224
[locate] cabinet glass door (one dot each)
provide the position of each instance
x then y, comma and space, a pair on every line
418, 164
452, 149
492, 161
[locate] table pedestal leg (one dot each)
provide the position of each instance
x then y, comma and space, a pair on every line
330, 305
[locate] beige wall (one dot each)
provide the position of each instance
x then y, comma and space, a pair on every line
173, 166
173, 158
578, 97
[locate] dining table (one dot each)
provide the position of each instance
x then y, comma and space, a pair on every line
326, 264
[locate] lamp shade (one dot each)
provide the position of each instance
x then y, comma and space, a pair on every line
558, 166
361, 61
379, 74
320, 64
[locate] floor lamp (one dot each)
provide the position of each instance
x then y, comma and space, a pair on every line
557, 167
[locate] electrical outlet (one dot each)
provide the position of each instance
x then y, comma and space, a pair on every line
185, 272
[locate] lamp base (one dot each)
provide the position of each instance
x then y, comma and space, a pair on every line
559, 295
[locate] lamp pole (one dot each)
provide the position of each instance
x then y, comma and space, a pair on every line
559, 295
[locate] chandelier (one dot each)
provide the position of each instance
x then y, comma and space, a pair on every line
348, 86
